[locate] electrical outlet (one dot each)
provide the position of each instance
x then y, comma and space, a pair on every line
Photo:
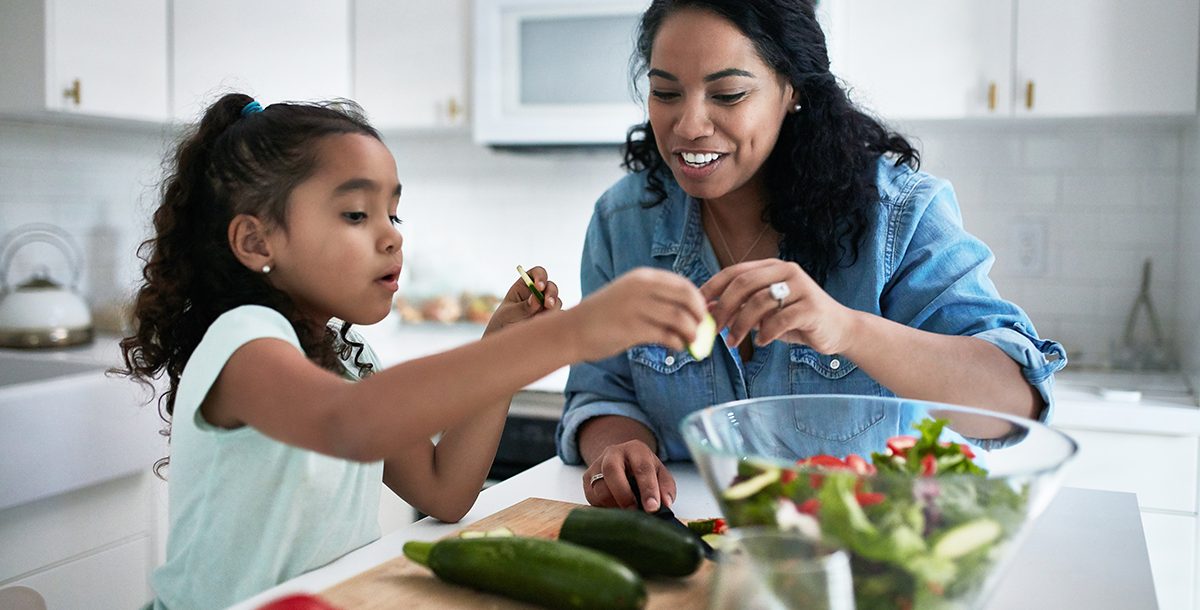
1029, 239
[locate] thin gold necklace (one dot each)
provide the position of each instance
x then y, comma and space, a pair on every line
717, 225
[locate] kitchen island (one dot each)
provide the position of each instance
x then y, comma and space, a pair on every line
1086, 551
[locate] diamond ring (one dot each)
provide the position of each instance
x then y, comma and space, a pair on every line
596, 477
779, 292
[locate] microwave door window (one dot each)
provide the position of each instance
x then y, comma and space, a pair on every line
576, 60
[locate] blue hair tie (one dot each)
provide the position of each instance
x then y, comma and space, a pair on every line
251, 108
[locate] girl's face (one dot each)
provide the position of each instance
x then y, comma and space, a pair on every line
715, 107
339, 255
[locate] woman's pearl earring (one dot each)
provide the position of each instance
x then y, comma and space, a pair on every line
266, 269
797, 108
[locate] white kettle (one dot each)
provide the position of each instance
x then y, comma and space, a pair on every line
39, 312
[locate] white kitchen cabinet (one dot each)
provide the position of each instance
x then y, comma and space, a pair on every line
106, 59
1162, 470
90, 548
411, 62
926, 58
1172, 563
939, 59
1106, 58
274, 50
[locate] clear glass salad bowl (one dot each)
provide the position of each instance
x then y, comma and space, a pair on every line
929, 499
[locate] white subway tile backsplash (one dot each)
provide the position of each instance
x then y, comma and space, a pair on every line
1026, 191
1095, 189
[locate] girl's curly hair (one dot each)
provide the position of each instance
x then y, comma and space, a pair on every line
228, 164
820, 177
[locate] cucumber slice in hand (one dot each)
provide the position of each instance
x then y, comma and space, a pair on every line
529, 282
706, 335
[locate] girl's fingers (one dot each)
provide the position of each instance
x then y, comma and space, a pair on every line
539, 275
671, 326
551, 294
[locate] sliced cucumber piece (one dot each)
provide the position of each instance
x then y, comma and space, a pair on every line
966, 538
529, 282
500, 532
706, 335
753, 485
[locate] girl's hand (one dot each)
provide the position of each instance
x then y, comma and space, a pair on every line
643, 306
808, 315
520, 304
619, 464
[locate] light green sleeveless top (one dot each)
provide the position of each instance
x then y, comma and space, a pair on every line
248, 512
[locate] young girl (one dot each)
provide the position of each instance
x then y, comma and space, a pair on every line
273, 222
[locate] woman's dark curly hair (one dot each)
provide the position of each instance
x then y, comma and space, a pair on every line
821, 175
228, 164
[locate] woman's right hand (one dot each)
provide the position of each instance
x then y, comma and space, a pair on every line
622, 463
642, 306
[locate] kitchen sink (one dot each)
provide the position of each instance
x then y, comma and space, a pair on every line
65, 425
18, 370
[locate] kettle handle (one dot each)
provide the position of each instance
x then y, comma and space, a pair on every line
44, 233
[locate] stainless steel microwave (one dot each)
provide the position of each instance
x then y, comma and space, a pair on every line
554, 72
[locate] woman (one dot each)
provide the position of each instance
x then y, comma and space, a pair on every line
832, 263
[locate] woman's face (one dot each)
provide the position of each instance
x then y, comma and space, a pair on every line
715, 107
339, 255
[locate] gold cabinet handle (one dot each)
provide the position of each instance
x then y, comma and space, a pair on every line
991, 96
1029, 95
453, 109
73, 92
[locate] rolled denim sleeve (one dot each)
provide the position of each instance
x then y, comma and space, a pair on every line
939, 283
603, 387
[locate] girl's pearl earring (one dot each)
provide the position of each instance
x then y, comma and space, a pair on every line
266, 269
796, 108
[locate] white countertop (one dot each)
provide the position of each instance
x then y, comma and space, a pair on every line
1086, 551
395, 341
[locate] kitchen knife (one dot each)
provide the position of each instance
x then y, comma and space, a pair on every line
667, 515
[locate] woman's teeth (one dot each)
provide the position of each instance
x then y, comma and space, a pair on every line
699, 159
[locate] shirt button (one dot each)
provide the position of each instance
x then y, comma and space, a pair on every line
669, 360
835, 364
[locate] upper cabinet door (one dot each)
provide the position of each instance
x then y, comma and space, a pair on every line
274, 50
1107, 57
919, 59
411, 62
107, 58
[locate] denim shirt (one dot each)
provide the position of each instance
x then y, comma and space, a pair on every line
916, 266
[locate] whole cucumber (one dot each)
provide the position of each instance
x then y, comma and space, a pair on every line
645, 543
549, 573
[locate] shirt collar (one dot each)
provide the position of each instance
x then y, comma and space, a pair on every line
679, 233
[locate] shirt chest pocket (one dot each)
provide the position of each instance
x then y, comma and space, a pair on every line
670, 384
814, 373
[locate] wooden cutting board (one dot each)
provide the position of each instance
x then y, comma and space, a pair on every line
400, 583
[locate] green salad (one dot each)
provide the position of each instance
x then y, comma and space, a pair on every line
922, 521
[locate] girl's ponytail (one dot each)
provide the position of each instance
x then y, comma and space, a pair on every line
239, 159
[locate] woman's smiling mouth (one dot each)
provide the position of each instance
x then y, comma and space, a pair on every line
699, 159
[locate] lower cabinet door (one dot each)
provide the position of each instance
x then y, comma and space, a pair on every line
1171, 540
113, 578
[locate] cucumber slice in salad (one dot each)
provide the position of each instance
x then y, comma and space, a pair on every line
706, 335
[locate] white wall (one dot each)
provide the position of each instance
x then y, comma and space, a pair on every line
1107, 195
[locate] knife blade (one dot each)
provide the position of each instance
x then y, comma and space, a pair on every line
668, 515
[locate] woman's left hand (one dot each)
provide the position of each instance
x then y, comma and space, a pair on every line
520, 303
807, 314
